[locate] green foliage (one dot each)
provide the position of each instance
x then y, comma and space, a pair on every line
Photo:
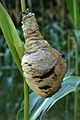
39, 106
55, 33
11, 36
74, 10
75, 13
13, 40
9, 72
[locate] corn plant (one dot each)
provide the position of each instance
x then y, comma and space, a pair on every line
33, 107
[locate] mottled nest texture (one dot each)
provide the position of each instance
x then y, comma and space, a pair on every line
43, 66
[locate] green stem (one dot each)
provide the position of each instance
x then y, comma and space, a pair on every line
23, 5
75, 13
26, 101
30, 5
76, 105
68, 51
76, 92
68, 47
66, 108
26, 88
76, 62
76, 56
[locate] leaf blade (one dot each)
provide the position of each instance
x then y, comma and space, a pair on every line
12, 38
39, 105
49, 102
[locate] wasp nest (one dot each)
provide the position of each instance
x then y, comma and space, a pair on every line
43, 66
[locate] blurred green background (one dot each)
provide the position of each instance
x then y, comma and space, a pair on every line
55, 23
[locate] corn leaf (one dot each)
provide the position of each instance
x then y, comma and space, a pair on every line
39, 105
12, 38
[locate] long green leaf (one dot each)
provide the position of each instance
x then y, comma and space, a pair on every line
39, 105
73, 6
12, 38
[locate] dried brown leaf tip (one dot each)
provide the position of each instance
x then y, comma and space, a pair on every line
43, 66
